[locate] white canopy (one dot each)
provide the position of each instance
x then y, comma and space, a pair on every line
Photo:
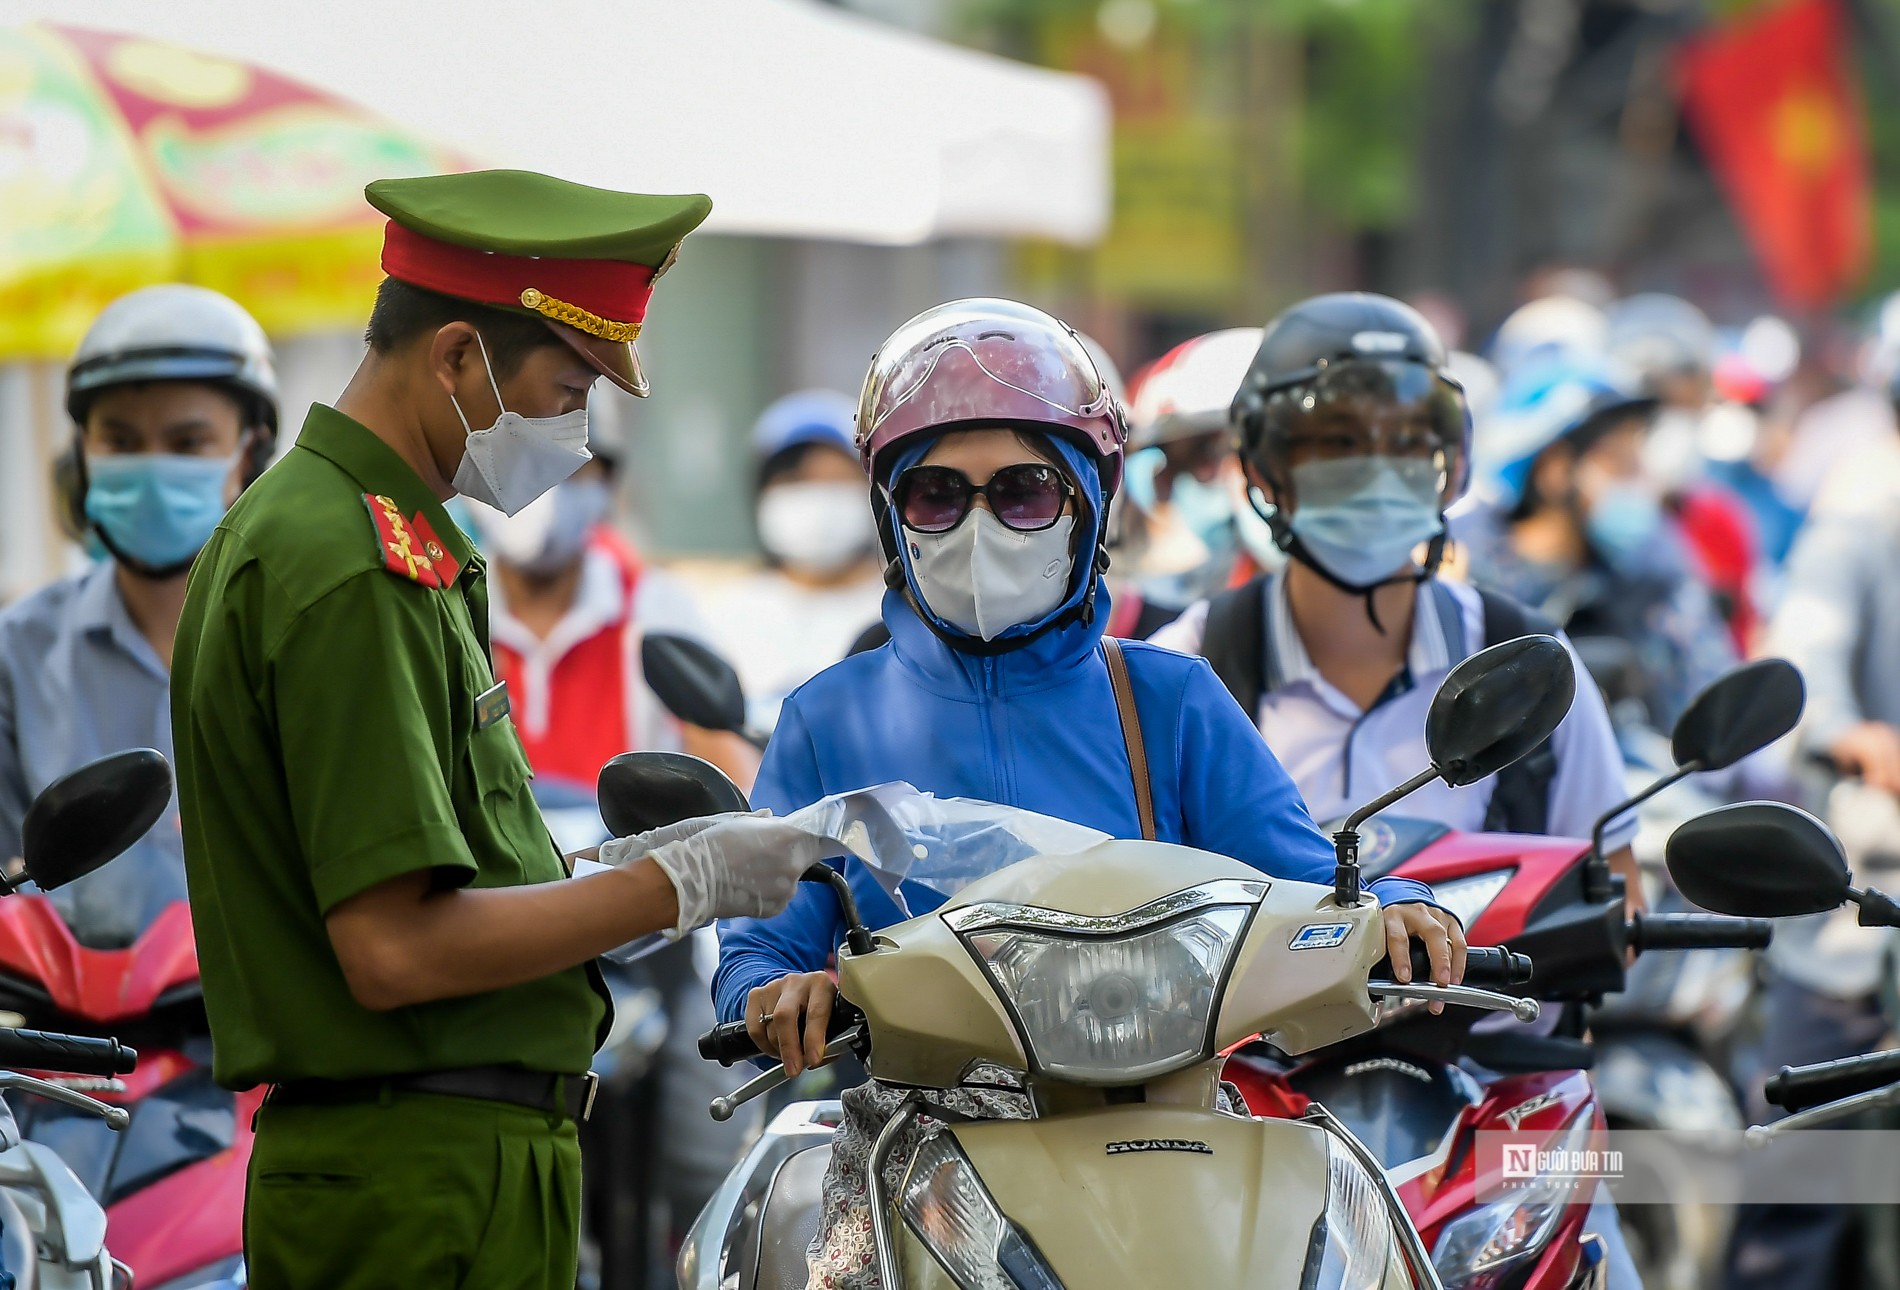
798, 120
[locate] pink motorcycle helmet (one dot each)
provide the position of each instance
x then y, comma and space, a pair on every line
987, 362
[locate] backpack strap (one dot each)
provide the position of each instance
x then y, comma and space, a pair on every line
1520, 802
1235, 643
1124, 688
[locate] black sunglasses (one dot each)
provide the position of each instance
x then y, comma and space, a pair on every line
1027, 498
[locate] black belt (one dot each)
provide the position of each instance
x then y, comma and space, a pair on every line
572, 1095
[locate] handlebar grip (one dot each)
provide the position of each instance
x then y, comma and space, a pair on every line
1487, 967
1493, 967
38, 1050
1795, 1088
1699, 932
727, 1043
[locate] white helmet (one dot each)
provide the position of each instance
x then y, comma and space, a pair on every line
175, 332
1188, 390
1550, 329
1661, 335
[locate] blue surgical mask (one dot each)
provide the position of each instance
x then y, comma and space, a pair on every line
1359, 518
1622, 521
157, 508
1207, 509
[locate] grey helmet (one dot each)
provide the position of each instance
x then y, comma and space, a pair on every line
176, 332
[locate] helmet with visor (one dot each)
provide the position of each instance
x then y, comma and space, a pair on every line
1352, 375
987, 362
1350, 402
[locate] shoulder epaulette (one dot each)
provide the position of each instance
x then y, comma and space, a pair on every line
407, 552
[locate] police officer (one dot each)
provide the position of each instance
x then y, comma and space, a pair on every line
387, 934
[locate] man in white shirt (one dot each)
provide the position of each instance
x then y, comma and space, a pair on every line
1352, 430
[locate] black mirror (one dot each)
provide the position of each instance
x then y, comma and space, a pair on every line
695, 684
82, 820
644, 790
1497, 705
1738, 713
1758, 860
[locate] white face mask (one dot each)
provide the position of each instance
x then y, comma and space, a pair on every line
983, 577
518, 458
821, 527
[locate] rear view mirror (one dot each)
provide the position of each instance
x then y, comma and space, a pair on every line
82, 820
1738, 713
644, 790
695, 684
1497, 706
1759, 860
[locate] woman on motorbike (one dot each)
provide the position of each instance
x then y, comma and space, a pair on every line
993, 450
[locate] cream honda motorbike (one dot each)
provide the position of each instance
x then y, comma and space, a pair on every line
1110, 979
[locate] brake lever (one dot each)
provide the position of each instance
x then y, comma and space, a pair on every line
721, 1108
1760, 1135
116, 1117
1463, 995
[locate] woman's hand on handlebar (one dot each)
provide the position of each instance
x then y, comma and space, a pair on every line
774, 1013
1437, 930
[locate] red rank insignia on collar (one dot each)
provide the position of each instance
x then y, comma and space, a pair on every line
410, 548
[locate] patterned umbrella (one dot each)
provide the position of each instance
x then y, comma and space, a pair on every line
124, 161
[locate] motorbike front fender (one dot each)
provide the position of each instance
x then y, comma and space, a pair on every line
1151, 1196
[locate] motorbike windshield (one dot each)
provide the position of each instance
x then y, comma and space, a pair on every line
941, 843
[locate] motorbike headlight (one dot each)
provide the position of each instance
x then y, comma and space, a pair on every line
1476, 1251
1468, 897
1354, 1244
953, 1214
1113, 1000
225, 1274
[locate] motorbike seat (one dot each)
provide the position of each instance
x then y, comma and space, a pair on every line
789, 1220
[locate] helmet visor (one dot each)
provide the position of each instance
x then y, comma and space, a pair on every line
1366, 408
981, 359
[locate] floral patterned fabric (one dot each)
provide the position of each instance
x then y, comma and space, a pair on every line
843, 1256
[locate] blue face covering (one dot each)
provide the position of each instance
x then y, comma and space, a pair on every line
1360, 517
1623, 520
157, 508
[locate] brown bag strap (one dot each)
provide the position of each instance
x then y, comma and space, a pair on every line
1131, 733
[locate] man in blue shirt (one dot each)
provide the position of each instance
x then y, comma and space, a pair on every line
174, 403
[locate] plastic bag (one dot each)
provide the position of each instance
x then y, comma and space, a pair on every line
903, 835
943, 843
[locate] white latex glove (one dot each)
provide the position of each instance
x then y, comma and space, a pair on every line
739, 866
619, 851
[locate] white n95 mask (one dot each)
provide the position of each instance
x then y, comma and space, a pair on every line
518, 458
983, 577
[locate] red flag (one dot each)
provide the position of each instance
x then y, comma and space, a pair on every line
1776, 106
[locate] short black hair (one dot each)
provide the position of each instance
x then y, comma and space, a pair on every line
403, 312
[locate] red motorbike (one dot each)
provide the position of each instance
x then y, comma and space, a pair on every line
1435, 1098
113, 954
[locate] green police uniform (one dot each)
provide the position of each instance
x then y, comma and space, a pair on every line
337, 726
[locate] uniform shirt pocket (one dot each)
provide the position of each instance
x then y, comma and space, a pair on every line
497, 761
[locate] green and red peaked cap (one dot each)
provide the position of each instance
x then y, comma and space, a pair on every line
582, 259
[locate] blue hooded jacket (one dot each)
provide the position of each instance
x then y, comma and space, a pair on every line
1036, 727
